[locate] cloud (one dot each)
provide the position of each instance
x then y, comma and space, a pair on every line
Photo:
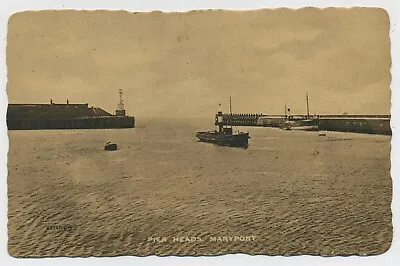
184, 64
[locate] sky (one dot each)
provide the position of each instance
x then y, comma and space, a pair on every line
185, 64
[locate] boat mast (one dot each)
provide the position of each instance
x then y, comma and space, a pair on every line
230, 105
285, 112
308, 111
230, 109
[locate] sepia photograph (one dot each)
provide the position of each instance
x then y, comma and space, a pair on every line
199, 133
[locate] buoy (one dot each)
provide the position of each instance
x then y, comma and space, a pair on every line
111, 146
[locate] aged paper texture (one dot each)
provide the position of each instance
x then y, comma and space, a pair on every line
110, 114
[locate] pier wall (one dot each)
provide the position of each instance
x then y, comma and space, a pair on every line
53, 111
270, 121
371, 124
63, 116
358, 125
239, 119
78, 123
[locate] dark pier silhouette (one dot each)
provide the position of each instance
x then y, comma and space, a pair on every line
370, 124
64, 116
239, 119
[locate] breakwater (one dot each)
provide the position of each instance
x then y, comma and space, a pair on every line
239, 119
78, 123
370, 124
63, 116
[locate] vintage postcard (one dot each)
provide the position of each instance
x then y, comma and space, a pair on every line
199, 133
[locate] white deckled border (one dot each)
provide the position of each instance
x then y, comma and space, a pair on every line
8, 7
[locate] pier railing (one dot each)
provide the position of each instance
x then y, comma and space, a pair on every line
239, 119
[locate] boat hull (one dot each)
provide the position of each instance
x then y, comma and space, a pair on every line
304, 125
302, 128
234, 140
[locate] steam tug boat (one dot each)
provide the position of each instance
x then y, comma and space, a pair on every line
225, 135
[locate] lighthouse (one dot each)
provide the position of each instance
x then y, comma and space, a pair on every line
120, 109
220, 119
